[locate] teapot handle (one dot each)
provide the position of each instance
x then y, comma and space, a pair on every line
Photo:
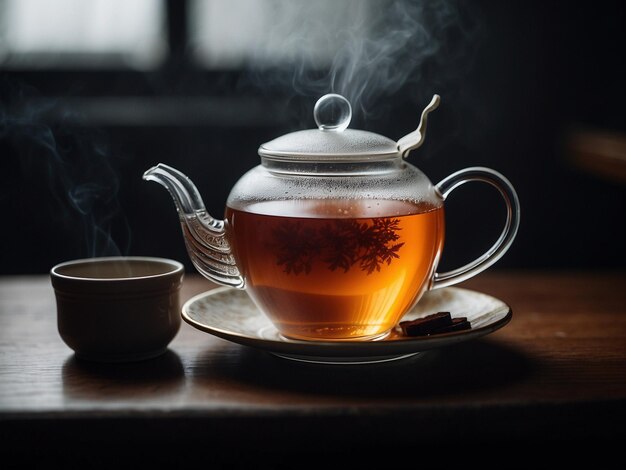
486, 175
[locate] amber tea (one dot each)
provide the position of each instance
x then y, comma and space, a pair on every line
336, 269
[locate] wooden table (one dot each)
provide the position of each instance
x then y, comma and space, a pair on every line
556, 372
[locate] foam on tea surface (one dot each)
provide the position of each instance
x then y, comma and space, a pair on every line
115, 269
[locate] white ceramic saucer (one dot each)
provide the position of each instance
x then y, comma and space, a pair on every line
230, 314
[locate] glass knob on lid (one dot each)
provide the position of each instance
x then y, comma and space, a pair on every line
332, 112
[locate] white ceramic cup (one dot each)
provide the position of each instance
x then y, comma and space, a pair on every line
118, 309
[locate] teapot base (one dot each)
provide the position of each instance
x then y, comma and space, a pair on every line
335, 339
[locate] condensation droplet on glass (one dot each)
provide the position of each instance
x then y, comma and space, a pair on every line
332, 112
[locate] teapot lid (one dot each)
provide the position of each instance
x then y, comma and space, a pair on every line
333, 141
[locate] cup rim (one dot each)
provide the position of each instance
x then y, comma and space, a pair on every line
177, 267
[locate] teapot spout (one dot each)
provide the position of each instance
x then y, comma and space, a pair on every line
205, 236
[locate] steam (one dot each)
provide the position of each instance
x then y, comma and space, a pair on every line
66, 171
379, 48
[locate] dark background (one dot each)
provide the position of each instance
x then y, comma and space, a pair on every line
539, 72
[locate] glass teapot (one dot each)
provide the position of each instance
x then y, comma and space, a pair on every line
334, 236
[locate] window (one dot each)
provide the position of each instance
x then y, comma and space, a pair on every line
70, 33
233, 33
215, 34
